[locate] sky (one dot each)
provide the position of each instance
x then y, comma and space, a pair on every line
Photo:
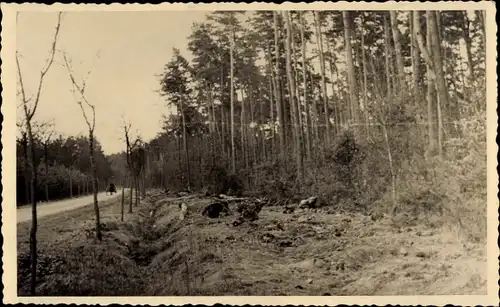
133, 48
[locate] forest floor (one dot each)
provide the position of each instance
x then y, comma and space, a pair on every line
307, 252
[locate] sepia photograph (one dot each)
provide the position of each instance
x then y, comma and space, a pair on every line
250, 150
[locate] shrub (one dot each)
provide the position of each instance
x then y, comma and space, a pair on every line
220, 182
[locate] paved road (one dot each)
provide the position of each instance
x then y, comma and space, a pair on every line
44, 209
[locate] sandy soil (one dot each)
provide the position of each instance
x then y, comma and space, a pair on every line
307, 252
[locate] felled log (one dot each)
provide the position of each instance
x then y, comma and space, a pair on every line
309, 202
231, 198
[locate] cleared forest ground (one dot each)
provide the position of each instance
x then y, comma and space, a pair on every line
307, 252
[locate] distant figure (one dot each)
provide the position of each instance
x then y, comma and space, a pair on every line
111, 189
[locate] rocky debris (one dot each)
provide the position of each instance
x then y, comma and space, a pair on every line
280, 226
403, 251
183, 193
286, 243
289, 209
421, 254
183, 212
214, 210
375, 216
267, 237
238, 221
311, 202
249, 211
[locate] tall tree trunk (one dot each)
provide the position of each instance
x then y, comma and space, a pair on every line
136, 181
336, 115
315, 113
233, 145
213, 124
46, 155
261, 122
295, 78
273, 85
440, 78
222, 117
279, 102
94, 186
304, 85
122, 208
34, 220
27, 170
185, 146
319, 39
398, 51
431, 95
70, 183
387, 60
350, 68
291, 82
481, 16
223, 129
365, 82
251, 136
143, 184
244, 145
131, 198
415, 57
427, 55
468, 44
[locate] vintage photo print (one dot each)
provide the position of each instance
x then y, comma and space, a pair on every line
299, 153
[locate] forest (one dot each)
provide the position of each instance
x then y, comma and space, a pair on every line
355, 107
364, 109
378, 116
63, 167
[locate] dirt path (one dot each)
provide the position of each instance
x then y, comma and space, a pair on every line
45, 209
308, 252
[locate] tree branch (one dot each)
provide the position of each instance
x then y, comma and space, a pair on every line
81, 91
47, 66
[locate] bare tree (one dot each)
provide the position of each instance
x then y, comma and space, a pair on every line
29, 105
130, 146
135, 163
83, 103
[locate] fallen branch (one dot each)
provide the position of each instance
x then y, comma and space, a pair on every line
230, 198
